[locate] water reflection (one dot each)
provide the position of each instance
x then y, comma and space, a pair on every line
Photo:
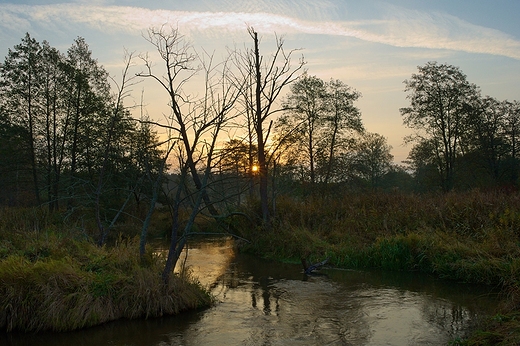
341, 308
268, 303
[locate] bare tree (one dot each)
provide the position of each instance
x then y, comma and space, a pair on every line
266, 80
194, 124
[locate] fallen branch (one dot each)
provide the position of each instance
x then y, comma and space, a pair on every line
309, 269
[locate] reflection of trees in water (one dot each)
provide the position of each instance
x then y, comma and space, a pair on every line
455, 308
277, 302
455, 319
296, 308
229, 280
267, 293
345, 307
322, 312
206, 260
327, 312
447, 306
262, 294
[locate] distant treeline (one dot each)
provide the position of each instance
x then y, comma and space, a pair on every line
67, 140
462, 139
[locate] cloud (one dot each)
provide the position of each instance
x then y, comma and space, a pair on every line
397, 26
12, 21
408, 28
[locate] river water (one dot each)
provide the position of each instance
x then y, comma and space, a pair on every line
268, 303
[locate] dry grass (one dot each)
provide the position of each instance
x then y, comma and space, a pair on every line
472, 236
52, 280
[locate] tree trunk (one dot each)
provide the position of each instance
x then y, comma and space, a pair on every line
32, 147
262, 164
330, 161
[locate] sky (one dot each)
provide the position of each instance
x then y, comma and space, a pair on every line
372, 46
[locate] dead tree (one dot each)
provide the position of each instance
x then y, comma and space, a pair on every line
266, 81
194, 124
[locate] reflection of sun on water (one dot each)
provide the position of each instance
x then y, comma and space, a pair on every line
207, 261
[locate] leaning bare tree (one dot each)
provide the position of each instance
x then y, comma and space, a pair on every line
116, 119
193, 125
266, 80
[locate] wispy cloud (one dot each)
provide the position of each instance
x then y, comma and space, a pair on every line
397, 27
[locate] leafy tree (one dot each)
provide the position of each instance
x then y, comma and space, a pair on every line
372, 158
61, 127
511, 134
53, 89
20, 91
115, 134
306, 104
235, 158
15, 166
235, 164
341, 120
398, 178
88, 98
320, 118
484, 140
424, 160
440, 98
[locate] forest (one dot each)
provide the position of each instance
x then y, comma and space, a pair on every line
264, 151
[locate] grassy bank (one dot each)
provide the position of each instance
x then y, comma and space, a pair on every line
471, 237
52, 278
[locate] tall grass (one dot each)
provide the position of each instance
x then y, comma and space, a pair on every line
53, 279
472, 236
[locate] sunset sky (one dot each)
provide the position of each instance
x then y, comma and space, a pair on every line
370, 45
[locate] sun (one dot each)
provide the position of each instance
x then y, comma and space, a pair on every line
254, 168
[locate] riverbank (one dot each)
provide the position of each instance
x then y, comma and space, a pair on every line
52, 278
471, 237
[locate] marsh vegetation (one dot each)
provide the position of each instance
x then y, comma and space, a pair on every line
264, 152
53, 278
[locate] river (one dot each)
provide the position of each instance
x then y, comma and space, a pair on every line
262, 302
